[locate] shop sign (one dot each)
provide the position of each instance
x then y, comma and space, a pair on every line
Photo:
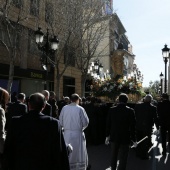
36, 75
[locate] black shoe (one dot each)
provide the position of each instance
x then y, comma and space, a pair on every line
164, 153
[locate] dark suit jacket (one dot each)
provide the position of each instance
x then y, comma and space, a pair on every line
47, 110
14, 109
146, 116
17, 109
121, 124
163, 109
35, 142
54, 106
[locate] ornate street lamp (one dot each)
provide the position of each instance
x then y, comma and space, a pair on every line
48, 46
96, 65
100, 67
165, 54
96, 70
161, 81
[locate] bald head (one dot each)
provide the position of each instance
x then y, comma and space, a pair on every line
46, 93
37, 102
148, 98
123, 98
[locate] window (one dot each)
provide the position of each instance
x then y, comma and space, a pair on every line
69, 56
68, 86
17, 3
125, 43
14, 35
32, 46
49, 13
34, 7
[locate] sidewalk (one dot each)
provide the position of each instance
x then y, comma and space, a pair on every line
99, 158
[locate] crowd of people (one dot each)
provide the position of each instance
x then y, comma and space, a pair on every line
134, 126
39, 132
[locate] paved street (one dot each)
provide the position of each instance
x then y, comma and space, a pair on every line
99, 158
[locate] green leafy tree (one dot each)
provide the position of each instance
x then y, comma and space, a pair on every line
153, 89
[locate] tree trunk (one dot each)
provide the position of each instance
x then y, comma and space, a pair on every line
58, 87
83, 81
11, 74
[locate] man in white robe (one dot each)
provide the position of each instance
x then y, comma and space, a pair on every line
74, 120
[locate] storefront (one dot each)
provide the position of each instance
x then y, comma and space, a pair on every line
68, 86
26, 80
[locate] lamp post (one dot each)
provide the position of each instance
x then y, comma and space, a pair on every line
96, 71
165, 54
48, 46
161, 79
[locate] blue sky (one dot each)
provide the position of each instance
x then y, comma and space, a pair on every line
147, 23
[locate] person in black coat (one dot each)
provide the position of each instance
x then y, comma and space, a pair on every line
91, 130
163, 109
35, 141
120, 129
17, 108
146, 117
14, 97
62, 103
52, 101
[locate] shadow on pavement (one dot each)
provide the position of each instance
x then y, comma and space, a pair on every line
163, 163
99, 156
135, 163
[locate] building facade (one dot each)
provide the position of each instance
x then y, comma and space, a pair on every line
20, 20
118, 36
19, 49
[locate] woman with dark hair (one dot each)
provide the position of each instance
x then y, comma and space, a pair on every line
4, 98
